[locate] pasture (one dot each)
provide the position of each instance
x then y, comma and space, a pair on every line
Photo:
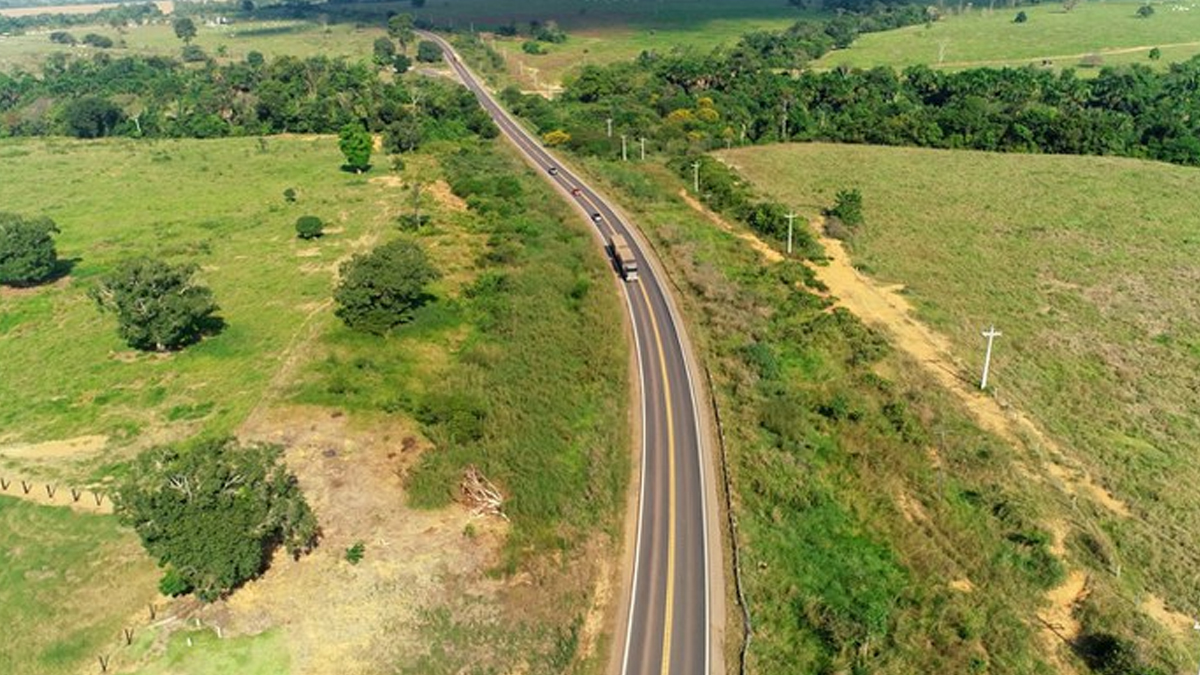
1087, 266
1111, 31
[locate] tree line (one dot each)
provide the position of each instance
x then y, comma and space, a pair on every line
161, 97
753, 93
117, 16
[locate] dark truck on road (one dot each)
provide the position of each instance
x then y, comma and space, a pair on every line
623, 257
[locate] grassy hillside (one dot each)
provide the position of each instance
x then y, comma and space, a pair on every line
981, 37
1088, 266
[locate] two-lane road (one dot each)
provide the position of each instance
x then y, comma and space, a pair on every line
669, 629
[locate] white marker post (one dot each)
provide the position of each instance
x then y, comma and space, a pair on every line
609, 123
791, 219
624, 149
991, 334
696, 177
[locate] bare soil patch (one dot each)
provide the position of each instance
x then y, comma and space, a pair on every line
441, 191
1180, 624
80, 446
331, 611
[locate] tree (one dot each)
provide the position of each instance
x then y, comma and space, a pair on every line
185, 29
1155, 54
533, 48
356, 145
157, 306
309, 227
385, 51
91, 117
380, 290
1145, 12
400, 29
27, 253
212, 512
62, 37
1021, 17
428, 51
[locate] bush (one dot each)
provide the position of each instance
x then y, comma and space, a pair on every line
531, 47
157, 306
428, 51
380, 290
1021, 17
289, 195
213, 512
309, 227
1145, 12
1155, 54
62, 37
847, 208
98, 41
27, 252
193, 54
354, 554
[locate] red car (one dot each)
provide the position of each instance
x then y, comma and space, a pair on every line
575, 191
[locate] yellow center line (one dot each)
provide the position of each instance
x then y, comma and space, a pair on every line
670, 608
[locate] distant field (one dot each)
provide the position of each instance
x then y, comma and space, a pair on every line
271, 38
68, 584
584, 14
1087, 265
166, 6
1110, 29
188, 201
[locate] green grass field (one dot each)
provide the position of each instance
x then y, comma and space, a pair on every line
69, 584
1087, 265
1110, 29
187, 201
203, 653
231, 42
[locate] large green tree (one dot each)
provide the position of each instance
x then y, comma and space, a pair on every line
212, 512
428, 51
27, 253
158, 307
400, 28
185, 29
91, 117
355, 143
380, 290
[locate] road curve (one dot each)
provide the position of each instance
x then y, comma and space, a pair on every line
670, 617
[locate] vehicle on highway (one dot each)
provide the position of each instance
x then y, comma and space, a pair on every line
553, 170
575, 191
623, 256
596, 218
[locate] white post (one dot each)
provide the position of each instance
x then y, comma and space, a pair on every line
791, 219
991, 334
609, 121
643, 139
624, 149
696, 176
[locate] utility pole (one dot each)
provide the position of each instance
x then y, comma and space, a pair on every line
696, 177
609, 121
991, 334
791, 219
643, 140
624, 149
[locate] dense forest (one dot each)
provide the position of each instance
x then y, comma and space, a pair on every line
162, 97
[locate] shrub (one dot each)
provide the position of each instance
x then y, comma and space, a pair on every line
380, 290
1021, 17
354, 554
309, 227
213, 512
193, 54
1155, 54
532, 47
428, 51
27, 252
98, 41
847, 208
1145, 12
157, 306
289, 195
62, 37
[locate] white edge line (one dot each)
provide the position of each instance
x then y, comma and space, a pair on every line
637, 547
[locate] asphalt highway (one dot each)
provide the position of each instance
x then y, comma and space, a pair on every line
669, 623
